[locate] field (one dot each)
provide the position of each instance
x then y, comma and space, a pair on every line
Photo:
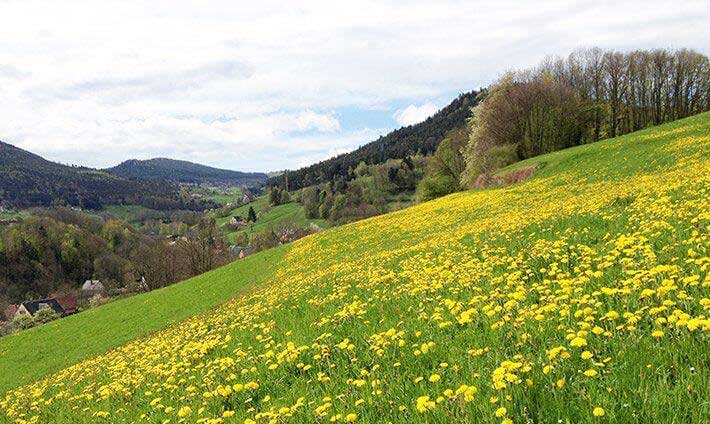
224, 195
580, 295
289, 213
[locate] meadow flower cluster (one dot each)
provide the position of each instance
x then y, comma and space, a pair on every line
580, 295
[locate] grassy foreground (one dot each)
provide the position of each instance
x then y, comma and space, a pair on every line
580, 295
34, 353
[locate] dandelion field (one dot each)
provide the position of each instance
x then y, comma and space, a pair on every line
581, 295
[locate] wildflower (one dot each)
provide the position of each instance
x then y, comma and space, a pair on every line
578, 342
500, 412
424, 403
598, 412
184, 411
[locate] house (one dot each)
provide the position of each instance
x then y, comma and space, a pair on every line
32, 306
237, 220
9, 312
239, 251
174, 238
91, 288
69, 304
142, 284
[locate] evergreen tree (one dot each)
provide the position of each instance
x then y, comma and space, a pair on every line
252, 214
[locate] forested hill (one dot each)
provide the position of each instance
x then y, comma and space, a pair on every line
423, 137
183, 172
28, 180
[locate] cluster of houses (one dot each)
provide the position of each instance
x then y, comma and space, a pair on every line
62, 305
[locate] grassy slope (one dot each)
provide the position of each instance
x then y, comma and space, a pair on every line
224, 196
291, 213
493, 282
49, 348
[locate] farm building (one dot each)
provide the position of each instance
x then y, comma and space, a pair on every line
32, 306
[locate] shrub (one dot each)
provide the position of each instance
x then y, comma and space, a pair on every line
433, 186
98, 300
22, 322
45, 315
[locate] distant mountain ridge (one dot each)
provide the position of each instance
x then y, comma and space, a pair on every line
28, 180
181, 171
423, 137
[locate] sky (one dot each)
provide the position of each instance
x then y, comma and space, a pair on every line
266, 86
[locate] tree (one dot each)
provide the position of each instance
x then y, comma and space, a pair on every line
275, 196
437, 185
311, 201
202, 250
251, 216
45, 315
444, 169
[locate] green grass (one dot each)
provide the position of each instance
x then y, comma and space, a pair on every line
39, 351
225, 196
289, 213
514, 272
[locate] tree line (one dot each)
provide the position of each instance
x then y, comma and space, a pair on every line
590, 95
421, 138
27, 180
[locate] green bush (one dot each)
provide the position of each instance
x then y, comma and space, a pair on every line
23, 322
45, 315
433, 186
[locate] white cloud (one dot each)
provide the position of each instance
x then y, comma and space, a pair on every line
263, 85
413, 114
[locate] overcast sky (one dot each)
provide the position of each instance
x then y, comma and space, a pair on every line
261, 85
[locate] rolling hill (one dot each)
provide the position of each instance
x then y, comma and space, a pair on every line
422, 138
28, 180
291, 214
579, 295
181, 171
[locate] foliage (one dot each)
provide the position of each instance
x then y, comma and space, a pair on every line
445, 166
180, 171
422, 138
22, 322
267, 216
310, 198
251, 216
543, 301
371, 192
433, 186
61, 248
587, 96
28, 180
98, 300
45, 315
